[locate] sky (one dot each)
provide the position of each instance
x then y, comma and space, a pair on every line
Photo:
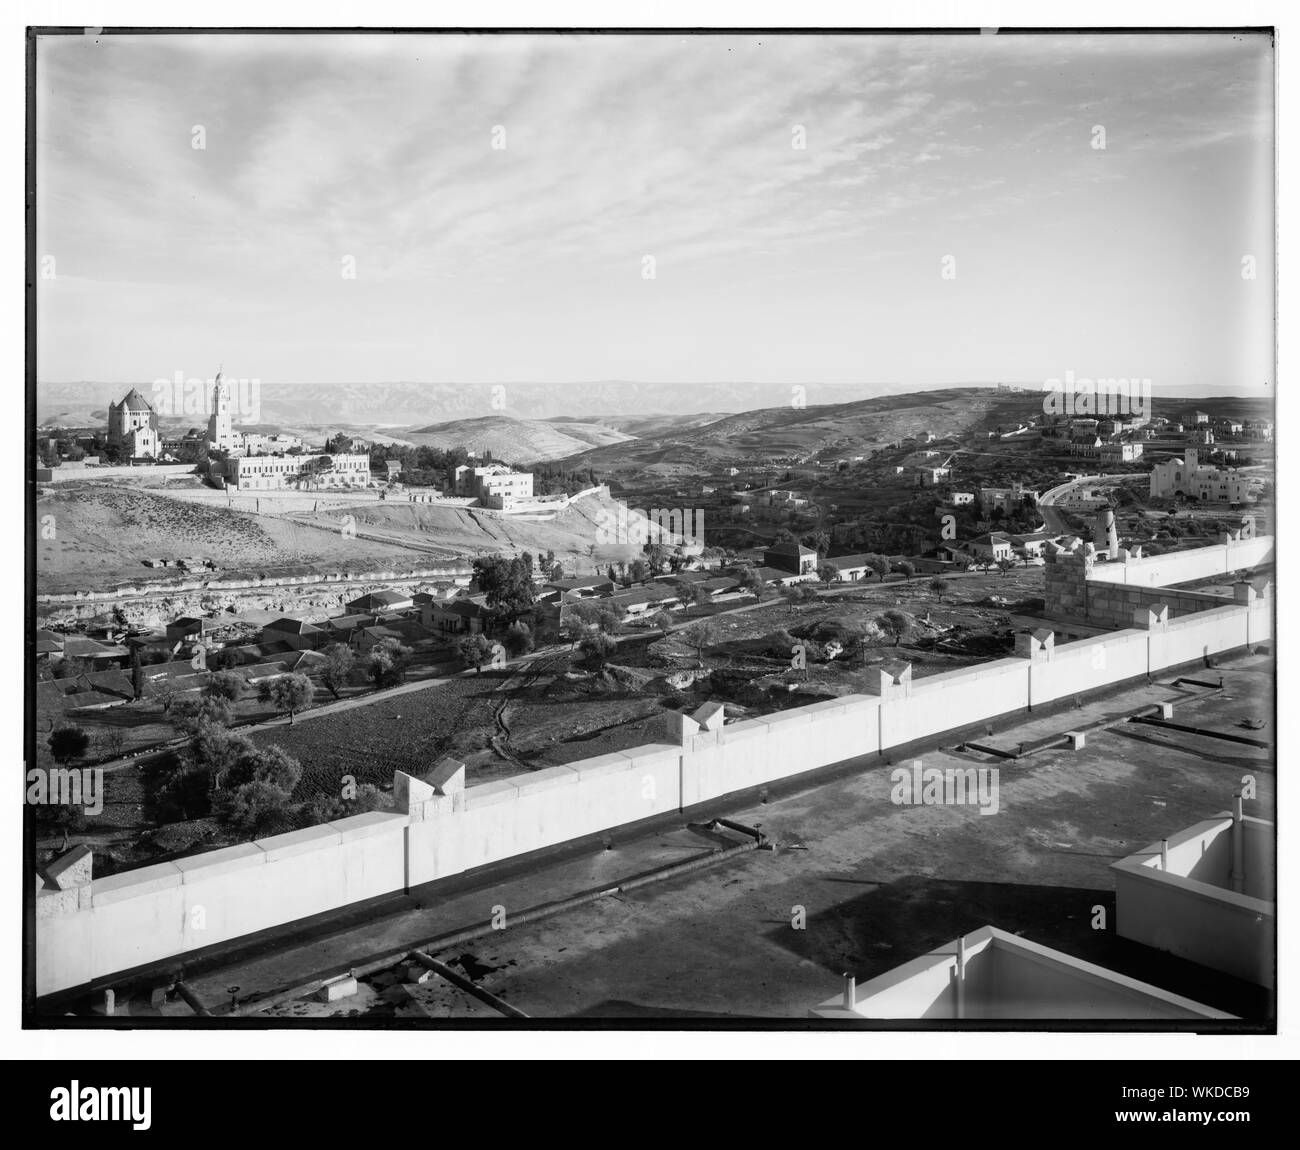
491, 208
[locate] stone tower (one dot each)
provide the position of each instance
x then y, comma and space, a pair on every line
1106, 532
221, 433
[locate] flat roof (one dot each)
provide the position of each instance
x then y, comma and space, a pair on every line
876, 884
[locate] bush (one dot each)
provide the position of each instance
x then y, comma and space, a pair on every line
475, 651
386, 662
597, 647
337, 668
68, 743
518, 639
190, 714
224, 685
782, 644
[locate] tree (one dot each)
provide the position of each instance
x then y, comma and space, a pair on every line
70, 667
224, 685
337, 668
598, 646
689, 594
699, 635
113, 741
639, 571
783, 644
386, 662
518, 639
291, 693
1005, 565
258, 790
507, 583
828, 572
879, 564
907, 570
939, 587
475, 651
223, 659
657, 557
752, 581
600, 613
801, 593
166, 695
663, 621
895, 623
68, 743
190, 714
572, 629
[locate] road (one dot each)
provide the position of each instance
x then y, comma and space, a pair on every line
1049, 499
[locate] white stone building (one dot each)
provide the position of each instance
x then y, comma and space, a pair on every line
1187, 476
133, 427
308, 472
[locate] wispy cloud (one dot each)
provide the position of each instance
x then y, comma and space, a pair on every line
380, 149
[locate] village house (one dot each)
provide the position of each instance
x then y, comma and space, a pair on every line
296, 633
990, 547
187, 629
461, 616
379, 603
582, 588
791, 558
850, 568
1006, 499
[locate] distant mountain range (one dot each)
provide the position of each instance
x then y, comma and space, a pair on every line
394, 405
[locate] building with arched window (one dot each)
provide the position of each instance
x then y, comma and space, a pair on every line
1189, 477
133, 427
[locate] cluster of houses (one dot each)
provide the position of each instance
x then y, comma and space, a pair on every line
1113, 439
282, 647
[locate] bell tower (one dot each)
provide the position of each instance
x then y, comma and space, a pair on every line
220, 432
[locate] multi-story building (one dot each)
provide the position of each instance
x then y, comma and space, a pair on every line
1187, 476
133, 428
493, 485
276, 472
1006, 498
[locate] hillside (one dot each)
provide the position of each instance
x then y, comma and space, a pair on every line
571, 534
520, 441
103, 532
786, 436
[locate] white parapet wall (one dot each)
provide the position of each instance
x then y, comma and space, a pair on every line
992, 975
1186, 566
102, 926
1194, 908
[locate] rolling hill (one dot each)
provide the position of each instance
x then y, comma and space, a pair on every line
520, 441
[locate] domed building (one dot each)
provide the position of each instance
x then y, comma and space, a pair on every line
133, 428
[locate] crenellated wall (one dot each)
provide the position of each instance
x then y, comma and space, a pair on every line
87, 928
